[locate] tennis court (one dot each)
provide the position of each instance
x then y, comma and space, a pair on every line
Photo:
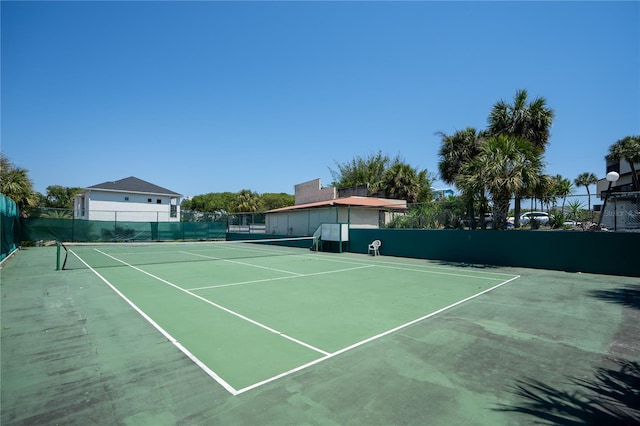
249, 313
245, 334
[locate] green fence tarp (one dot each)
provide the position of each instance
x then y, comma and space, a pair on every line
75, 230
10, 226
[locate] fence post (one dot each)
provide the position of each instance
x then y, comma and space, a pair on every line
57, 255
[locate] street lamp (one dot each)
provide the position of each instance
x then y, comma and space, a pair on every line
611, 177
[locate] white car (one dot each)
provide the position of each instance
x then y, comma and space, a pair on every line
541, 217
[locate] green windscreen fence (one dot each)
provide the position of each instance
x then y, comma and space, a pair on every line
67, 229
10, 224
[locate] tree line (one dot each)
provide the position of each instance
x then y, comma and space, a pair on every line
505, 161
489, 167
244, 201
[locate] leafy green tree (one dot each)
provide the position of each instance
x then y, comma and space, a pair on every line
60, 197
504, 167
210, 202
362, 171
530, 121
627, 148
271, 201
587, 179
16, 184
392, 177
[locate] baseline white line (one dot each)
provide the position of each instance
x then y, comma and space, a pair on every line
398, 265
240, 263
254, 322
162, 331
391, 265
370, 339
280, 278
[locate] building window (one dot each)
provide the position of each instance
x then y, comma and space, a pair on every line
126, 198
158, 201
148, 200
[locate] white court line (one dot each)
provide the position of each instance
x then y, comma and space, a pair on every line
392, 265
254, 322
370, 339
240, 263
165, 333
281, 278
398, 265
326, 356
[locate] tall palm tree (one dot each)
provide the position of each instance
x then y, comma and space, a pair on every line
586, 179
504, 166
627, 148
530, 121
562, 188
544, 190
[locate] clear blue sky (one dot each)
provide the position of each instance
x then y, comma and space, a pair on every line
205, 97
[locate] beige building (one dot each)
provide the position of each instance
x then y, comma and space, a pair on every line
315, 205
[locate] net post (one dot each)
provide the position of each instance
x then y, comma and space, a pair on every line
57, 255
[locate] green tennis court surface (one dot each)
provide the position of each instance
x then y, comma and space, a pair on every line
248, 334
249, 313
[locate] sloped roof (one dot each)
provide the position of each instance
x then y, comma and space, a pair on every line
133, 184
379, 203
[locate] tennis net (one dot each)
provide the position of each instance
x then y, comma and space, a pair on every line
104, 255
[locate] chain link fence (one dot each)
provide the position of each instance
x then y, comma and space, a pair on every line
622, 212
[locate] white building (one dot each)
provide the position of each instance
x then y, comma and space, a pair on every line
622, 211
129, 199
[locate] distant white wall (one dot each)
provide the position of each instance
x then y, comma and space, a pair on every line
121, 206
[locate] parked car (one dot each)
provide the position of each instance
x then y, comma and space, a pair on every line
488, 220
541, 217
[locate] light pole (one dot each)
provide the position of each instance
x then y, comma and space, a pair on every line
611, 177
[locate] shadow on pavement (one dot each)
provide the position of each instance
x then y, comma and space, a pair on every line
611, 397
626, 296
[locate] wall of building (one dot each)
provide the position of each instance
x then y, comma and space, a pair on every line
305, 222
312, 191
103, 205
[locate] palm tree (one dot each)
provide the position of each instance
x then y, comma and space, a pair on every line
585, 179
504, 167
562, 188
403, 182
530, 121
456, 150
627, 148
16, 184
544, 190
245, 201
